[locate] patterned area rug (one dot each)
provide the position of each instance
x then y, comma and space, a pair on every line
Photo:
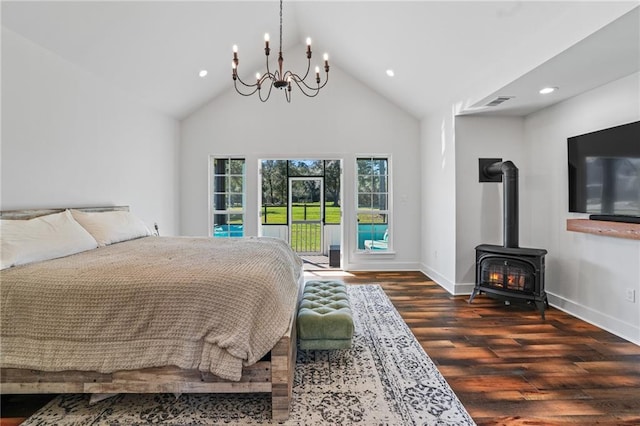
386, 378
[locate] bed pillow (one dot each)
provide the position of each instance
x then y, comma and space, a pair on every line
42, 238
111, 227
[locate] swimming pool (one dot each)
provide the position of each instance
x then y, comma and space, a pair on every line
226, 231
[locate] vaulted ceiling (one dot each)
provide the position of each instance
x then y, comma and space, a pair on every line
442, 52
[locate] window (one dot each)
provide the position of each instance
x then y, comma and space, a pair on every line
228, 184
372, 177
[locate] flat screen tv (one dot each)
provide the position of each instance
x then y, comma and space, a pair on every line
604, 173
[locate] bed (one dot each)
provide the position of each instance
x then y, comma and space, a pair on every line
151, 314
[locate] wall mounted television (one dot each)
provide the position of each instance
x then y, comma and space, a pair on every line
604, 173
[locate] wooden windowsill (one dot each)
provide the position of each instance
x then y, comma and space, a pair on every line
610, 229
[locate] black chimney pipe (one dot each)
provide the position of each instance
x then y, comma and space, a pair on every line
510, 201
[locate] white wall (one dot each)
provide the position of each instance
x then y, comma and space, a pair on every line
460, 212
586, 274
479, 206
438, 209
69, 139
347, 119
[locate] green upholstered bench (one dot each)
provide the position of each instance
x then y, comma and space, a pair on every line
324, 316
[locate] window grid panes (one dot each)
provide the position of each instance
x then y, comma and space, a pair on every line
372, 203
228, 178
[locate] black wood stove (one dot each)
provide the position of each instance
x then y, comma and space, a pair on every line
509, 271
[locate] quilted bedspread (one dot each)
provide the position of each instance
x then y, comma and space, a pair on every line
196, 303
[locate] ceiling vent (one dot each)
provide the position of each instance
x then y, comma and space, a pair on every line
497, 101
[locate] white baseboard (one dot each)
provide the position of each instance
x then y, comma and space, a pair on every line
438, 279
464, 288
455, 289
612, 325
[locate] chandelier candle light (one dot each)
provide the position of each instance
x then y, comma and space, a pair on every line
280, 79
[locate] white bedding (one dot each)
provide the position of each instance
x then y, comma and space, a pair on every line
197, 303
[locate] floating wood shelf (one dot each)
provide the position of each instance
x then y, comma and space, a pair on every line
599, 227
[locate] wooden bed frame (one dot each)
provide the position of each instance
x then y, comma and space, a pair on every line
273, 374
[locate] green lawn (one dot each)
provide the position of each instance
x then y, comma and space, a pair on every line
306, 237
277, 215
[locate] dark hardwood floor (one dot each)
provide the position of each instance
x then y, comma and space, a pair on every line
507, 365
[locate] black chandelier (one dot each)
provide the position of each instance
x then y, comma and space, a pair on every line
279, 79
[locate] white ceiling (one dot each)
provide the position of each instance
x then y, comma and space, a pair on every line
442, 52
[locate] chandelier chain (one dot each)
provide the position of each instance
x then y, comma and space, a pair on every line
280, 26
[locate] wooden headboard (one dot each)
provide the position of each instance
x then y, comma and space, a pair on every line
31, 213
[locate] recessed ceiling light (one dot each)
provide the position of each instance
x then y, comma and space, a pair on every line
390, 73
548, 90
203, 73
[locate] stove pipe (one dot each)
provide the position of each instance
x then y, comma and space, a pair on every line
509, 173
